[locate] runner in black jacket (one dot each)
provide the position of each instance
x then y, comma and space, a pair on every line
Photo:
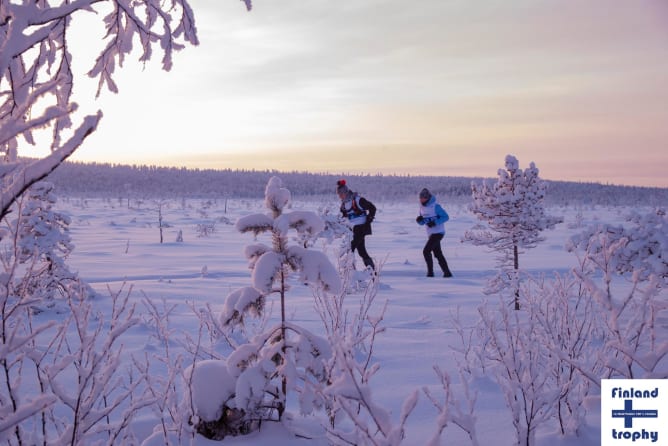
360, 212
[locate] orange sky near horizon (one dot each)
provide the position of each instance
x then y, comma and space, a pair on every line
388, 86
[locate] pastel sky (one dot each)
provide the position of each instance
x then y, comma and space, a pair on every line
437, 87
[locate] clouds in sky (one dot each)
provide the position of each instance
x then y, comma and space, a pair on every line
437, 87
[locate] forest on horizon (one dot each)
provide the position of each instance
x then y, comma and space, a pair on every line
103, 180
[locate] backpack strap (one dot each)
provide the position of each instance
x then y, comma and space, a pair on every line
356, 206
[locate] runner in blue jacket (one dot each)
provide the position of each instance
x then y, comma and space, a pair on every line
432, 216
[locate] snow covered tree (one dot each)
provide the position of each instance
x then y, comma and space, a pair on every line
285, 357
37, 76
513, 217
37, 243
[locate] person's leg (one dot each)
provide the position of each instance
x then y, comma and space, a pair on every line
359, 244
438, 253
366, 258
426, 252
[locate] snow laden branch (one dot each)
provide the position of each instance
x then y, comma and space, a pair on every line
37, 80
22, 175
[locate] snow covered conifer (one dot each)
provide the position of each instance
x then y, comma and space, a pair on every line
513, 217
39, 239
284, 357
42, 230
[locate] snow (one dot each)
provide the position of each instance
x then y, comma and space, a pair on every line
255, 223
304, 222
212, 386
419, 322
267, 268
276, 196
316, 269
238, 302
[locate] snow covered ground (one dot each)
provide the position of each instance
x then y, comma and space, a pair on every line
116, 244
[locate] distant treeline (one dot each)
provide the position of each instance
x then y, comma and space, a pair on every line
93, 180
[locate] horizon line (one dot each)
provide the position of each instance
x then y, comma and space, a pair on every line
342, 174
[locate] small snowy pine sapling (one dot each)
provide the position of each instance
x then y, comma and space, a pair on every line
283, 357
513, 218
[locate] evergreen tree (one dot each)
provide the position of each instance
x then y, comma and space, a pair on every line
284, 357
513, 217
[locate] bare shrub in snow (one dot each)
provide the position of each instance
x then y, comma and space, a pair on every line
514, 217
205, 229
354, 416
166, 380
517, 364
452, 410
62, 383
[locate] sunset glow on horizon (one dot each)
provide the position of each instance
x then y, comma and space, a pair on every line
386, 86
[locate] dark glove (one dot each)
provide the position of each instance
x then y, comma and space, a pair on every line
419, 219
369, 220
431, 224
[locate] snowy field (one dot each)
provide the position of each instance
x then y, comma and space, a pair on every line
116, 245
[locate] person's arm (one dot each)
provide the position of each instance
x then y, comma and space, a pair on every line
369, 207
441, 215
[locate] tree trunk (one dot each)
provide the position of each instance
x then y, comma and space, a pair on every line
160, 221
516, 265
284, 382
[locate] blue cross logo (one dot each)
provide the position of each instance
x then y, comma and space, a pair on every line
628, 413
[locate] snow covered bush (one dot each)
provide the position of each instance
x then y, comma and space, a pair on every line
452, 409
637, 253
601, 320
205, 229
61, 382
513, 217
354, 416
281, 358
